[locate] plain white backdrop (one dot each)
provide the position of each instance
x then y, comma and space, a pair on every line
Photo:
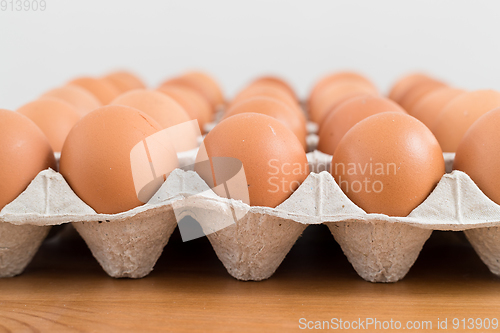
456, 41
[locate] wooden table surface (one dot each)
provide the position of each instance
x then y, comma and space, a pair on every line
65, 290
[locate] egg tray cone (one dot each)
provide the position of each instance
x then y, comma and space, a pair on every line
380, 248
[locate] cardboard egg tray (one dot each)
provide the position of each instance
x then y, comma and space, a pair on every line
380, 248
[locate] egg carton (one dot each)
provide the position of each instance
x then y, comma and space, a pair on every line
380, 248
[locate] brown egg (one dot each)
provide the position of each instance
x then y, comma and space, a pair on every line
417, 92
162, 108
460, 113
477, 155
125, 81
193, 103
54, 117
277, 82
96, 158
338, 78
25, 152
428, 107
333, 95
100, 88
274, 108
75, 95
273, 92
388, 163
346, 115
405, 84
273, 159
204, 84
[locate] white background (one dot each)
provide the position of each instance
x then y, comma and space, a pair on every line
457, 41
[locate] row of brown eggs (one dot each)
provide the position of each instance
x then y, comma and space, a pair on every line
386, 156
360, 128
94, 122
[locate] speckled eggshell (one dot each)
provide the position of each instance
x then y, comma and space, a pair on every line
80, 98
162, 108
477, 155
124, 81
335, 94
428, 108
96, 162
273, 159
24, 151
193, 103
274, 108
103, 90
348, 114
54, 117
388, 163
460, 113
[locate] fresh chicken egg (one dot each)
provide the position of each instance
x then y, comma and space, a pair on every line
98, 163
388, 163
477, 154
460, 113
100, 88
274, 162
428, 108
25, 152
125, 81
274, 108
334, 94
346, 115
75, 95
193, 103
54, 117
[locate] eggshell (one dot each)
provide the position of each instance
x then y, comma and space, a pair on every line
388, 163
162, 108
460, 113
346, 115
417, 92
428, 107
204, 84
405, 84
124, 81
273, 92
338, 78
77, 96
477, 155
193, 103
54, 117
274, 81
24, 151
103, 90
334, 94
274, 108
96, 157
273, 159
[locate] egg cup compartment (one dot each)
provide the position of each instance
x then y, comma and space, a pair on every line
380, 248
126, 244
18, 245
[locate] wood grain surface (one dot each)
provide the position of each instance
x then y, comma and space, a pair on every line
65, 290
